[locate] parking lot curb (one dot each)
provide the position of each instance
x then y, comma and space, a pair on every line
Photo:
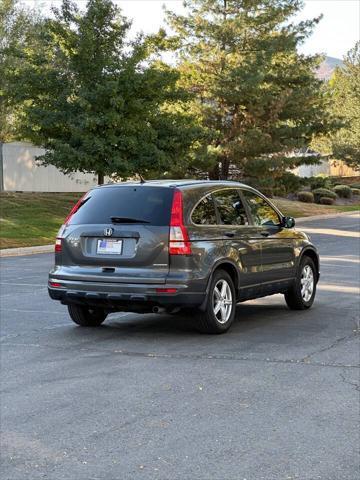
17, 252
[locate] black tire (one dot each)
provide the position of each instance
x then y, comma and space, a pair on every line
208, 321
86, 316
294, 296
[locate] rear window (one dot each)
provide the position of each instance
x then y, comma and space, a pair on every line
151, 205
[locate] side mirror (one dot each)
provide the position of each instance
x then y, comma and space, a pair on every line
288, 222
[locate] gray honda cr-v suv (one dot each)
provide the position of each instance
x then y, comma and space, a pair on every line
160, 246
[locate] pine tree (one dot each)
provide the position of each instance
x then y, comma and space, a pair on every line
256, 95
345, 90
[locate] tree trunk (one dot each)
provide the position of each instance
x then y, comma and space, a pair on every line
225, 164
100, 176
214, 173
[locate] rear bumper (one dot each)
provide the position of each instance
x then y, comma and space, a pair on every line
124, 297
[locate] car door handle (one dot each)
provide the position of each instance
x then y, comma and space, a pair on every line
229, 234
264, 234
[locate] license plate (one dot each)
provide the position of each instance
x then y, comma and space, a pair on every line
109, 247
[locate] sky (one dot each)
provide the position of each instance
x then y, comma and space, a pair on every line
334, 36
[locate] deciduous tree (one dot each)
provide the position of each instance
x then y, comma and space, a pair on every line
17, 26
97, 102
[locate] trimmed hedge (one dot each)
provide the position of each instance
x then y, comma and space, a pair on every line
344, 191
327, 201
323, 192
355, 191
355, 185
306, 197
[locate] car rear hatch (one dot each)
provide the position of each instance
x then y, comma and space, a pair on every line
119, 234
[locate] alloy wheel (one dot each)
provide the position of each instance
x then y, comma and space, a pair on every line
307, 283
222, 301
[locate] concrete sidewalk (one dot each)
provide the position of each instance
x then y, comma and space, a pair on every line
15, 252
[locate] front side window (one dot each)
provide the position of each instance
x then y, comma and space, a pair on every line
204, 213
262, 213
230, 207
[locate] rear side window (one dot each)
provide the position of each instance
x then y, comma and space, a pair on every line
204, 213
151, 205
230, 207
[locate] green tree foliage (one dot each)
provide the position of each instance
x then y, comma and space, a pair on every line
256, 95
16, 28
98, 103
345, 90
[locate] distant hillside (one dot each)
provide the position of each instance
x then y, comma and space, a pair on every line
327, 67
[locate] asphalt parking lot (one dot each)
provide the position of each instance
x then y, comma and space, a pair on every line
147, 397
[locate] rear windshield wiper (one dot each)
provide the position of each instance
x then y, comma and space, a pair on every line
127, 220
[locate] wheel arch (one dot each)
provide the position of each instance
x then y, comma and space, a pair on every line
311, 253
231, 269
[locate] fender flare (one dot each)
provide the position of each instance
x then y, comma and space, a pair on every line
313, 254
216, 265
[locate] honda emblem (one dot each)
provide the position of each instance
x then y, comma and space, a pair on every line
108, 232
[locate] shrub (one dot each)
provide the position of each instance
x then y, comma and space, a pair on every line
323, 192
306, 197
355, 185
319, 182
327, 201
343, 191
355, 191
288, 183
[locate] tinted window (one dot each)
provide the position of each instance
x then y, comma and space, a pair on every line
204, 213
230, 207
261, 211
149, 204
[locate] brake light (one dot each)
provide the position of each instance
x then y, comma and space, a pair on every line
179, 243
55, 284
58, 245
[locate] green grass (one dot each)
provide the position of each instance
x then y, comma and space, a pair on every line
299, 209
28, 219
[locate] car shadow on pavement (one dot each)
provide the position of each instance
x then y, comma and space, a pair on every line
248, 317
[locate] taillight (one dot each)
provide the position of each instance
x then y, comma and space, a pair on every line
58, 245
74, 209
179, 243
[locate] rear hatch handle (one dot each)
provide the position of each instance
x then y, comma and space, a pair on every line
120, 234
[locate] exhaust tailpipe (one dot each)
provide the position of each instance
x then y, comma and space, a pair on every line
158, 309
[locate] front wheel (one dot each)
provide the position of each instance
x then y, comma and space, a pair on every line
86, 316
219, 313
302, 294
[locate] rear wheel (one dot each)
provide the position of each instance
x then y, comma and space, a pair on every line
86, 316
302, 294
219, 313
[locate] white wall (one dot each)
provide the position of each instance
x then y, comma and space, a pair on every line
21, 172
331, 168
